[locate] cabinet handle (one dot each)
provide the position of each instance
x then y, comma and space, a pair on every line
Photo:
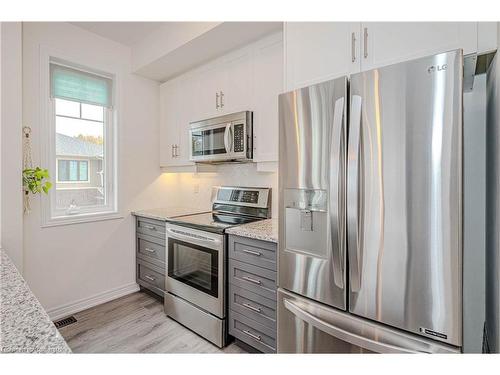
216, 100
173, 154
255, 281
256, 337
353, 47
221, 99
149, 250
365, 42
250, 307
256, 253
150, 227
150, 278
176, 153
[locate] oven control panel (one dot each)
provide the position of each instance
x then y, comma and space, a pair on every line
244, 196
251, 197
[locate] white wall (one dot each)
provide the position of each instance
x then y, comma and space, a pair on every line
11, 143
87, 263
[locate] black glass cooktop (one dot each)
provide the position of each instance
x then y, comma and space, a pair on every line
211, 221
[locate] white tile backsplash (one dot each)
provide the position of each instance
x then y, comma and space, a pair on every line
195, 189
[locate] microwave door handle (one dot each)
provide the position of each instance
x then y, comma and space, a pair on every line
228, 144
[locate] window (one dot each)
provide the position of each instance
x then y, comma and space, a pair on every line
72, 171
82, 151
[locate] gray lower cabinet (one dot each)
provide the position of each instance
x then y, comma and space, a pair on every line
252, 292
150, 254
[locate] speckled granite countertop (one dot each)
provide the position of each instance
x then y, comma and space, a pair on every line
166, 213
25, 327
265, 230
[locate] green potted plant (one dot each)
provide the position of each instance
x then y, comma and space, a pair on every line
36, 180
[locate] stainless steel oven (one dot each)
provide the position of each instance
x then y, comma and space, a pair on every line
196, 259
222, 139
195, 267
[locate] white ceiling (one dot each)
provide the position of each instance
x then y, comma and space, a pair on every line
127, 33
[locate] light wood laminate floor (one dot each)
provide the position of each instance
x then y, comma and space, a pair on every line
134, 324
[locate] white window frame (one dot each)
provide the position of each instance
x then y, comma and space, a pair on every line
69, 158
51, 216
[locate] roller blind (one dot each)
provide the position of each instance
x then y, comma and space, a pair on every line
77, 85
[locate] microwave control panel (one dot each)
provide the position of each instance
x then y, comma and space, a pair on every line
239, 138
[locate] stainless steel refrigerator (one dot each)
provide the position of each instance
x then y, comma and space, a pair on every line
370, 181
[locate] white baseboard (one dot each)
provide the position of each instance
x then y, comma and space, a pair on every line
85, 303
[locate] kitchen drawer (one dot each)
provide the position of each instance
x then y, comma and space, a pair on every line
151, 227
151, 277
151, 249
255, 279
252, 305
252, 333
256, 252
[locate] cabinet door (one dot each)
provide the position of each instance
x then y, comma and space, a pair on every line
208, 84
268, 77
169, 135
385, 43
236, 82
185, 110
319, 51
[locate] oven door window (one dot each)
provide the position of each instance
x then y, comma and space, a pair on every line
208, 142
193, 265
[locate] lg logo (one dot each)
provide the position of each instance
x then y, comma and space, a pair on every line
437, 68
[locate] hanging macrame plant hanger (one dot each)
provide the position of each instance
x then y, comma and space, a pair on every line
27, 164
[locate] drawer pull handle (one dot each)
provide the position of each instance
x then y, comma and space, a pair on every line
255, 281
149, 250
250, 307
256, 253
150, 227
149, 278
256, 337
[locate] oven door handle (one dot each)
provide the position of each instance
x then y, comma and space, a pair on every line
193, 237
228, 142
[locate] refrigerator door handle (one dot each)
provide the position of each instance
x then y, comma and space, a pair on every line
353, 194
336, 200
342, 334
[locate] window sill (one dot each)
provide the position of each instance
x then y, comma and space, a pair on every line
81, 218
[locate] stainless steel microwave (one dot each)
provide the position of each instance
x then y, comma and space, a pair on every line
222, 139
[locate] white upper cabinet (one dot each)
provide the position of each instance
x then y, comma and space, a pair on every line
248, 79
174, 122
208, 83
319, 51
385, 43
237, 88
169, 135
268, 84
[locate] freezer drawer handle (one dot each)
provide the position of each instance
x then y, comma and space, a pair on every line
256, 337
256, 253
150, 278
341, 334
149, 250
255, 281
250, 307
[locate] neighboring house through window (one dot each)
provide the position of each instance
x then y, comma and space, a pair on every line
82, 150
71, 171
